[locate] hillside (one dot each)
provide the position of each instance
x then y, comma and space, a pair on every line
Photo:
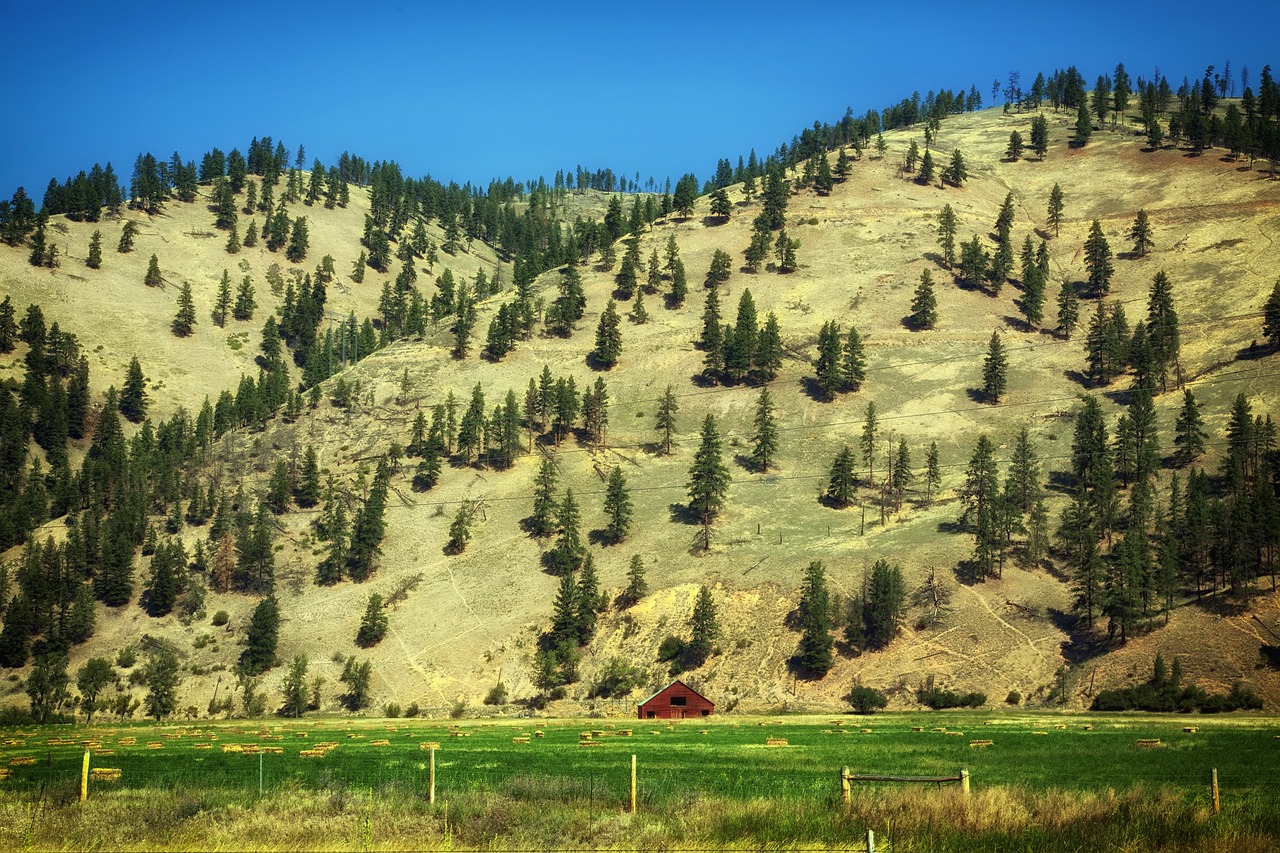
468, 620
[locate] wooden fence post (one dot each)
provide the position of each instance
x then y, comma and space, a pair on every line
964, 782
1213, 780
431, 778
633, 784
844, 785
871, 841
84, 778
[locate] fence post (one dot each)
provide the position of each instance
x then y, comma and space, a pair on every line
964, 782
633, 784
1213, 780
259, 773
84, 778
431, 783
844, 785
871, 841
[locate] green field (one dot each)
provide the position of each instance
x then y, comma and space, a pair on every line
687, 768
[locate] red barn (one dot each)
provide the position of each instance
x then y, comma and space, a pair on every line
676, 701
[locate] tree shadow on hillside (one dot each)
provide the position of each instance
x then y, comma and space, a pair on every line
1078, 377
682, 514
953, 527
968, 573
1255, 351
938, 260
1018, 324
712, 221
1062, 482
810, 386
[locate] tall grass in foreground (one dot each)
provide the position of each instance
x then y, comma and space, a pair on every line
997, 818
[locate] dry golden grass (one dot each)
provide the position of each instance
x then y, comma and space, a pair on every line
476, 615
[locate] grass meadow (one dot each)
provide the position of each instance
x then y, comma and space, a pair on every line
1044, 783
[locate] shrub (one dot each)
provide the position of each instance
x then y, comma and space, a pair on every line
412, 710
867, 700
126, 657
618, 678
391, 709
938, 699
220, 618
497, 695
459, 709
672, 647
1014, 698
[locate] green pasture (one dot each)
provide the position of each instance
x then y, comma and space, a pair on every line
676, 761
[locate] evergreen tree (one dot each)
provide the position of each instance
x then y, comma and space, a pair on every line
957, 173
608, 337
298, 241
91, 678
133, 396
637, 587
127, 233
186, 316
815, 650
1013, 151
1140, 234
926, 168
1040, 136
933, 471
1032, 302
721, 207
924, 304
1004, 220
1189, 434
708, 479
373, 625
995, 369
153, 277
830, 378
1271, 316
294, 687
947, 234
679, 285
1162, 329
867, 441
853, 367
222, 305
764, 438
883, 609
369, 526
704, 627
9, 327
94, 260
617, 506
1097, 260
261, 637
665, 419
1068, 309
567, 554
1056, 206
843, 480
1084, 125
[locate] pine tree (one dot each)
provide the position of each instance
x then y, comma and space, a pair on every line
1056, 206
947, 234
679, 285
1068, 309
957, 173
1013, 151
767, 359
373, 625
186, 316
298, 240
704, 627
883, 608
721, 207
764, 439
127, 233
665, 419
842, 481
133, 396
1162, 329
815, 650
1032, 302
459, 530
617, 506
1189, 434
1040, 136
1140, 234
1271, 316
924, 304
933, 471
1004, 220
853, 366
867, 441
995, 369
1084, 124
708, 479
608, 337
222, 305
637, 587
153, 277
830, 378
162, 679
94, 261
261, 637
926, 168
567, 554
1097, 259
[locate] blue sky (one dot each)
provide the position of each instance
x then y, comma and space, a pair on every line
472, 91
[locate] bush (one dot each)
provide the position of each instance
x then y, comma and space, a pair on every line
672, 647
391, 710
412, 710
618, 678
459, 709
126, 657
938, 699
497, 695
1014, 698
220, 618
867, 700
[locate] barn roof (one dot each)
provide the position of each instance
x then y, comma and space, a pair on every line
673, 684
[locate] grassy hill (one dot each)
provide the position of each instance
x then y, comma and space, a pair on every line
467, 620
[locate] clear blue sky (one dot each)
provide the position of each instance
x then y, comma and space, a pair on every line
477, 90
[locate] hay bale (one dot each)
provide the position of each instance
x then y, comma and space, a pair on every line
1149, 742
776, 741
